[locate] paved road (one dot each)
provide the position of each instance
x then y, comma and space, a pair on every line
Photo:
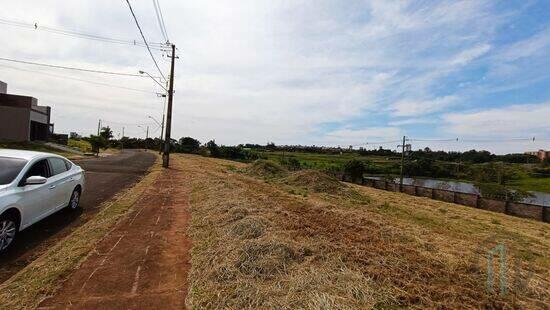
104, 178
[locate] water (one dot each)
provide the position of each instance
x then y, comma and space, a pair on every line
539, 198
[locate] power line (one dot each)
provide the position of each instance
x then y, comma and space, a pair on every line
487, 140
71, 68
160, 20
127, 124
81, 80
75, 34
144, 40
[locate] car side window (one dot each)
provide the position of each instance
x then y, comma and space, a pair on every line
58, 165
68, 165
40, 168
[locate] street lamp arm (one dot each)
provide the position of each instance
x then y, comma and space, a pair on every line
143, 72
154, 120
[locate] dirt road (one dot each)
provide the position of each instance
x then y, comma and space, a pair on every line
104, 178
143, 263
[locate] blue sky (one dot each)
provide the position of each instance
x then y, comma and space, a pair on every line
306, 72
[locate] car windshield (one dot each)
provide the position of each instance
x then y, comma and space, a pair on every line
10, 168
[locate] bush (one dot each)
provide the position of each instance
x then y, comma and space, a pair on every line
355, 170
291, 163
97, 142
82, 145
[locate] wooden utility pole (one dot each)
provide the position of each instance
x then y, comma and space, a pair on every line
166, 154
402, 162
98, 126
161, 133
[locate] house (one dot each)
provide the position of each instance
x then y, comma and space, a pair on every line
22, 119
541, 154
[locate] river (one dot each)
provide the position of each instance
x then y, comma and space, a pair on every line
538, 198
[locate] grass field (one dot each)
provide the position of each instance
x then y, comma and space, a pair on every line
267, 238
532, 184
324, 161
83, 146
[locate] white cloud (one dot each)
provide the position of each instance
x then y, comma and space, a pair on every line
469, 55
422, 107
361, 136
537, 44
413, 121
508, 122
255, 71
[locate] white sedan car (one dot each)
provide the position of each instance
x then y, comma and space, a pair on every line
34, 185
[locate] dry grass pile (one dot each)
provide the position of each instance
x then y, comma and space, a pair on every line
266, 169
249, 228
315, 181
266, 258
396, 251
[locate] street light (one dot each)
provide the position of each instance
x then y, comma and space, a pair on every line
143, 72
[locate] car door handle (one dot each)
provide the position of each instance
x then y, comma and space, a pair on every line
52, 186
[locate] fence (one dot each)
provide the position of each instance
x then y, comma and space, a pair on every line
519, 209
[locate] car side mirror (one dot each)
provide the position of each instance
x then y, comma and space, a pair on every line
35, 180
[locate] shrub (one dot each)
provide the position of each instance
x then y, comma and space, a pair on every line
355, 170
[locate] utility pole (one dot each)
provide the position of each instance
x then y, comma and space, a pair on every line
166, 155
98, 127
121, 142
147, 138
402, 162
161, 133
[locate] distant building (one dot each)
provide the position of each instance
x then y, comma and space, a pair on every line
541, 154
22, 119
74, 135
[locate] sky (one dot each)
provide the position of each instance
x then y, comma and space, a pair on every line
334, 73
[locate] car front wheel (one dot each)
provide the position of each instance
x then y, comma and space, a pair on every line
8, 231
75, 200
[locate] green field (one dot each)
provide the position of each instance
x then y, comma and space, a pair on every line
324, 161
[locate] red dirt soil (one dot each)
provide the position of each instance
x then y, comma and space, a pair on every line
143, 263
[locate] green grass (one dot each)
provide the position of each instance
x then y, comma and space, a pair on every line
326, 161
82, 145
532, 184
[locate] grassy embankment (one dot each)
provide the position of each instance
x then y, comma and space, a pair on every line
267, 238
27, 288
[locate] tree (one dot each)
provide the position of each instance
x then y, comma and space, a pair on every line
188, 145
213, 148
271, 146
97, 142
497, 191
106, 133
355, 170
